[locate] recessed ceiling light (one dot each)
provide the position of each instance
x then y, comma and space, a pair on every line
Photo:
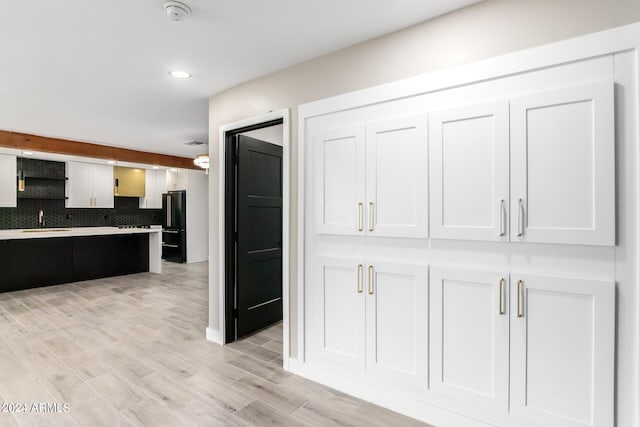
156, 167
111, 162
174, 170
179, 74
27, 153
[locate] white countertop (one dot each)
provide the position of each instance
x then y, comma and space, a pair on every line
39, 233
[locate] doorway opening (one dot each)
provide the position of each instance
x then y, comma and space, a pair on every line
254, 233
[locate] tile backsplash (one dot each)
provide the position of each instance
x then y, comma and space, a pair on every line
126, 211
25, 215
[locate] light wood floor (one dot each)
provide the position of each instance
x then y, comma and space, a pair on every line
131, 351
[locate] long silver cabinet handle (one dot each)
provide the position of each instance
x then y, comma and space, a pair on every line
519, 314
502, 230
501, 301
520, 221
369, 280
359, 278
359, 216
370, 219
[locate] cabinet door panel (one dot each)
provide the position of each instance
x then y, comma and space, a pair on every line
339, 181
397, 306
396, 177
470, 340
337, 309
562, 174
469, 173
103, 186
8, 184
562, 351
79, 190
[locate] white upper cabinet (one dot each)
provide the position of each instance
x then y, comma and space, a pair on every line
8, 183
102, 182
469, 172
89, 185
563, 166
374, 181
176, 179
155, 185
339, 157
562, 351
469, 333
396, 177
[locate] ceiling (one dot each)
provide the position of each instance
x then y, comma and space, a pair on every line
97, 71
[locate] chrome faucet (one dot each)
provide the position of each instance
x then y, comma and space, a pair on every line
41, 221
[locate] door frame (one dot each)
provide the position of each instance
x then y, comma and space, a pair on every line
284, 115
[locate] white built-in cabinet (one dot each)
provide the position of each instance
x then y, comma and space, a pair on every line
370, 317
8, 182
155, 185
469, 172
540, 349
563, 166
503, 332
371, 179
89, 185
540, 165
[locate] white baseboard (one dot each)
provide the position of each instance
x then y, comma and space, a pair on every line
215, 336
412, 408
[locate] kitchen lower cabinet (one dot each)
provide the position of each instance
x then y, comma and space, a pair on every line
31, 263
95, 257
522, 350
562, 351
469, 340
361, 322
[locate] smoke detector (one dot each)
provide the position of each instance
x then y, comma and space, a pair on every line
176, 11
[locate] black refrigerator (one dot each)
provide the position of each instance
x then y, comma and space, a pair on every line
174, 227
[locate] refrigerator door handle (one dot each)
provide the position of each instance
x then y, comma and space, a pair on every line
168, 211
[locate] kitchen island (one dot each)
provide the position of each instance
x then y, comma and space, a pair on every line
32, 258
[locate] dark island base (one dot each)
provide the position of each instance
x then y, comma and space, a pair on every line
32, 263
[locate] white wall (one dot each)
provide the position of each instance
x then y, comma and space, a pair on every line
484, 30
197, 216
272, 134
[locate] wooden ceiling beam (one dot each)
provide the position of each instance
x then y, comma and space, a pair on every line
24, 141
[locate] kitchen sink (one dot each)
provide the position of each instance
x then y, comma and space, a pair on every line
44, 230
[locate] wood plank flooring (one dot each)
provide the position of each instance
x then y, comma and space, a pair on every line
130, 351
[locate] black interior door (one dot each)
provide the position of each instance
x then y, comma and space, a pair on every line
258, 228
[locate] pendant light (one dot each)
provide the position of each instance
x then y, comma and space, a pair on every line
21, 174
202, 160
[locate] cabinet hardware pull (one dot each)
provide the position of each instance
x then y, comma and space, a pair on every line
520, 298
359, 278
520, 222
502, 231
370, 220
369, 284
359, 216
501, 312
